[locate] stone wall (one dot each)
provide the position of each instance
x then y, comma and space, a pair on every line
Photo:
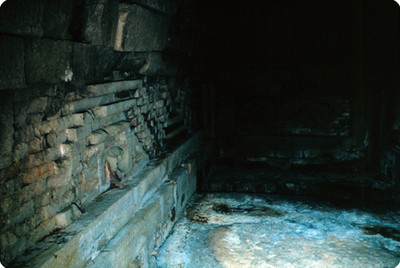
56, 161
123, 227
91, 92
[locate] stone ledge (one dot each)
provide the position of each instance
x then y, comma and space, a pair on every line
147, 230
82, 241
114, 87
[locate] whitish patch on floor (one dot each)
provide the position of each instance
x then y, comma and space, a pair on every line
242, 230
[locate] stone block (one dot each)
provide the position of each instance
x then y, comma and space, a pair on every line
12, 74
144, 109
39, 173
33, 160
122, 138
101, 112
57, 18
100, 24
159, 104
61, 196
6, 205
83, 63
7, 130
106, 61
20, 151
72, 135
7, 188
47, 212
28, 132
94, 150
44, 199
48, 61
132, 239
117, 128
25, 194
58, 181
44, 128
7, 240
141, 101
36, 145
38, 188
55, 125
114, 87
91, 184
87, 103
64, 218
140, 29
23, 212
104, 111
73, 120
96, 137
23, 17
38, 105
52, 139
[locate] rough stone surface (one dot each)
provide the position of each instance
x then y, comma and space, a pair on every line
83, 63
56, 146
12, 73
101, 17
241, 230
147, 201
22, 17
51, 19
6, 125
48, 61
140, 29
58, 18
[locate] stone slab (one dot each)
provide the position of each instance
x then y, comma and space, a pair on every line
140, 29
100, 23
137, 233
114, 87
48, 61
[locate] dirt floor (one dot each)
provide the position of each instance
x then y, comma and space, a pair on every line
253, 230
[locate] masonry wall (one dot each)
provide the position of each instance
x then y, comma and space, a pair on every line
91, 92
